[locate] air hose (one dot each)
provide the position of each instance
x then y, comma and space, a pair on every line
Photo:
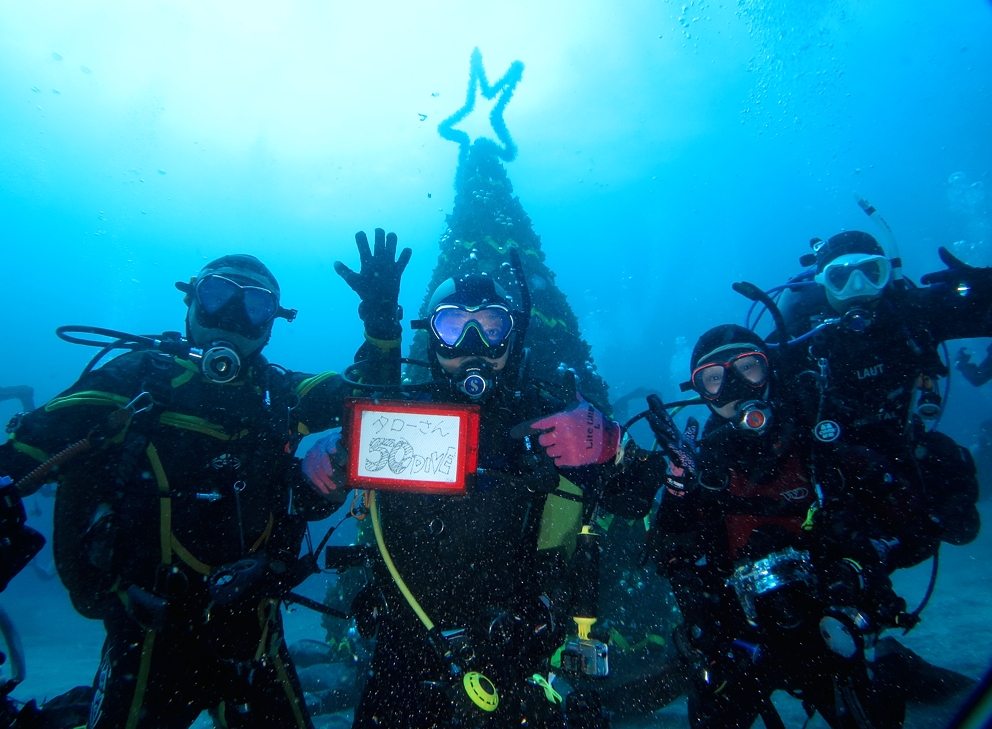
36, 477
476, 688
116, 420
391, 566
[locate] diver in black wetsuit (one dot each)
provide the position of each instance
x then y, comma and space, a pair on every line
771, 545
181, 509
24, 393
870, 343
461, 587
976, 374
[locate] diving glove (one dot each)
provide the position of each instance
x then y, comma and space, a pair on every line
324, 464
578, 436
377, 283
681, 448
957, 271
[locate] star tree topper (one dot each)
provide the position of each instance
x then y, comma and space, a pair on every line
503, 88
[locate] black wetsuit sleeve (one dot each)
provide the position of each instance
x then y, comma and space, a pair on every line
320, 406
950, 314
77, 413
630, 492
320, 403
321, 397
866, 490
83, 413
83, 538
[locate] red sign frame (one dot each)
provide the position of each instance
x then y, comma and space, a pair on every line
467, 456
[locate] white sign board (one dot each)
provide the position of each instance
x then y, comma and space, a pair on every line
411, 446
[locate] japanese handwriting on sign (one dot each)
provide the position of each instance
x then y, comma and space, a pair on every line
409, 446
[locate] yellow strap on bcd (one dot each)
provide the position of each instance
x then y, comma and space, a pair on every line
35, 453
87, 397
311, 382
198, 425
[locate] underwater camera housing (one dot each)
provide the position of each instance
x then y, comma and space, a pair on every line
758, 581
586, 656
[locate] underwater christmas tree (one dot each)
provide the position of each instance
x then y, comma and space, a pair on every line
486, 221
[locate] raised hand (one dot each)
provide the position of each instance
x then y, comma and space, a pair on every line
957, 271
377, 282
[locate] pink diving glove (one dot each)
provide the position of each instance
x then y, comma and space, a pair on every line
319, 464
579, 436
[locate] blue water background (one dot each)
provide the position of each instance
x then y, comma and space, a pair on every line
666, 149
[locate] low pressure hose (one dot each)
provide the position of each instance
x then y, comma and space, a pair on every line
36, 478
752, 292
393, 572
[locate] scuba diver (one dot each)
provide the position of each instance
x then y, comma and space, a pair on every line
870, 340
976, 374
23, 393
771, 543
181, 508
981, 449
465, 608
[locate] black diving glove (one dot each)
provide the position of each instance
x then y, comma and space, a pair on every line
681, 448
378, 283
957, 271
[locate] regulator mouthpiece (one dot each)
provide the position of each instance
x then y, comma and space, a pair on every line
220, 364
754, 417
474, 383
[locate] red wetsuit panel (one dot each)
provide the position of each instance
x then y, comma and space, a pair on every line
791, 486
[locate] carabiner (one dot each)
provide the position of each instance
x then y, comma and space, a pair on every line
146, 403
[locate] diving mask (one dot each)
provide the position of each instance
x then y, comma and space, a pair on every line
855, 275
748, 368
481, 330
214, 292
